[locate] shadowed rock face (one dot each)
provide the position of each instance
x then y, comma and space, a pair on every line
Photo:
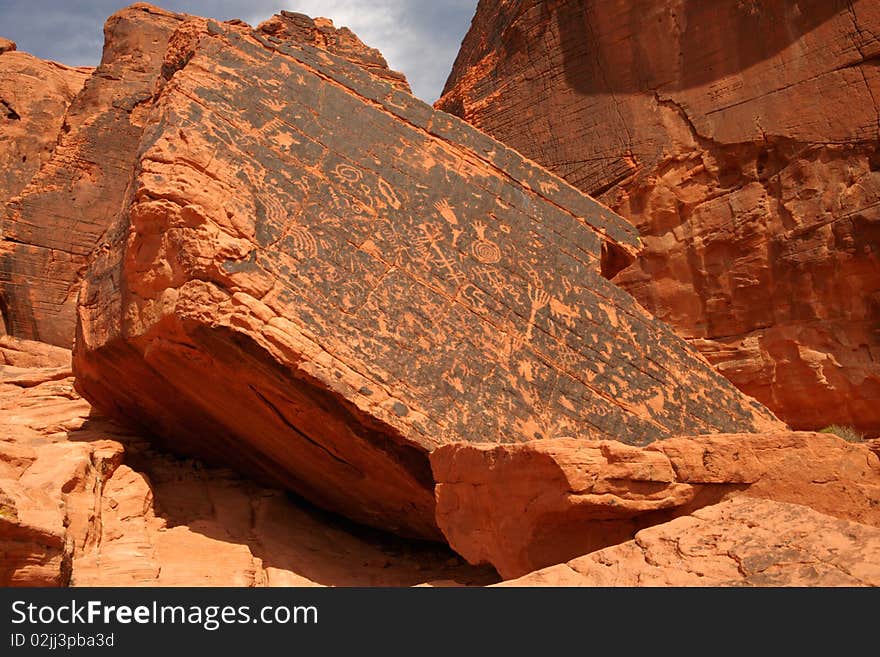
741, 139
319, 279
85, 502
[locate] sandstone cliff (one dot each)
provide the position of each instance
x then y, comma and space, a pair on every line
34, 96
59, 218
741, 138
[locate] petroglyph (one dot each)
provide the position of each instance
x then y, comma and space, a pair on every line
347, 173
442, 206
483, 249
388, 194
539, 298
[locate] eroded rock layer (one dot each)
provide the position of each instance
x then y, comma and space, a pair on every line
313, 270
741, 138
523, 507
742, 542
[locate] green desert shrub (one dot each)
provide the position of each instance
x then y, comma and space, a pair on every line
847, 433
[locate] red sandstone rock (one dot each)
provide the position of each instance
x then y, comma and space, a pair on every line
741, 138
34, 95
741, 542
82, 502
523, 507
63, 215
321, 33
322, 299
24, 353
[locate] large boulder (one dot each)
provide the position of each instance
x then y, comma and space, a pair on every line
741, 138
523, 507
319, 279
742, 542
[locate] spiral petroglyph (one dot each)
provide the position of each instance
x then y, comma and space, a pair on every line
347, 173
272, 208
302, 243
485, 250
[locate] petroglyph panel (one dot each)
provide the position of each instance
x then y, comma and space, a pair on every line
340, 279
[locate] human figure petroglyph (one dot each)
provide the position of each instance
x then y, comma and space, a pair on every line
429, 245
539, 298
511, 340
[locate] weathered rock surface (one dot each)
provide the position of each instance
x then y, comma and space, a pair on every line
313, 269
84, 503
62, 215
321, 33
741, 138
34, 95
28, 354
741, 542
523, 507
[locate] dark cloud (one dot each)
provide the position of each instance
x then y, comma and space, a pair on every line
418, 37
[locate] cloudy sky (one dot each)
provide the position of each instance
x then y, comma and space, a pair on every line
418, 37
